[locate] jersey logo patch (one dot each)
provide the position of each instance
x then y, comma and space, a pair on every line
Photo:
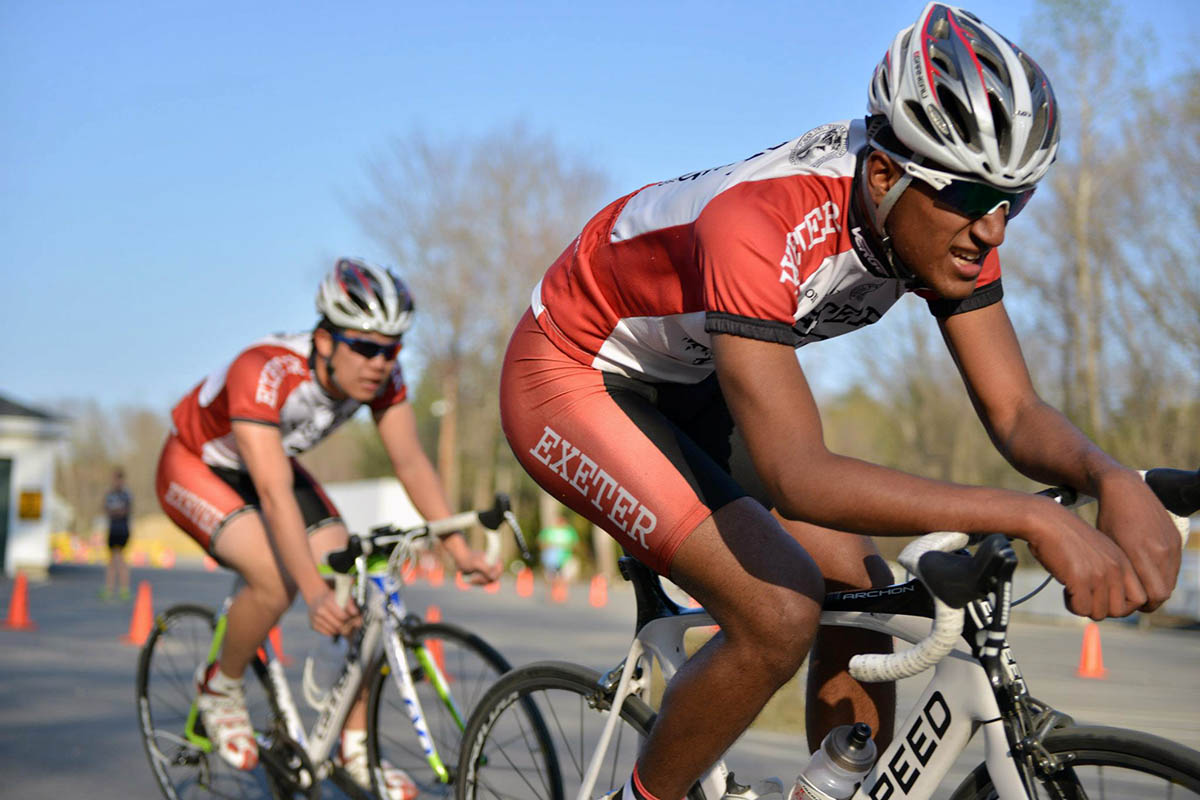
820, 145
272, 375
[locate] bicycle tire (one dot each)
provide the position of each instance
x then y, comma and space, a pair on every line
472, 666
165, 688
501, 760
1142, 760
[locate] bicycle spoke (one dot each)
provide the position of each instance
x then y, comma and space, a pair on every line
548, 755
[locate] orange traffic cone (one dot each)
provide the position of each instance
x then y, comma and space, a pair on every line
492, 588
525, 582
598, 594
142, 620
558, 590
276, 637
461, 582
437, 574
1091, 662
434, 614
18, 606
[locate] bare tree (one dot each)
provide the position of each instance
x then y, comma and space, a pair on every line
1107, 253
473, 224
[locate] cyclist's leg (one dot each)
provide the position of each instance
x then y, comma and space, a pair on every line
848, 561
604, 448
265, 594
222, 523
228, 526
765, 592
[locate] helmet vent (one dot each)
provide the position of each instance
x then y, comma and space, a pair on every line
1037, 136
918, 116
939, 29
958, 117
945, 65
1002, 126
993, 65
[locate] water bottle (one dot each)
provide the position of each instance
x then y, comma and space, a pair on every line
322, 667
839, 765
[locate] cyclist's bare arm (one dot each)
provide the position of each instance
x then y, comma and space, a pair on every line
1044, 445
773, 406
261, 447
398, 431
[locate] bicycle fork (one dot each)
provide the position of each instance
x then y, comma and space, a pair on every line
398, 663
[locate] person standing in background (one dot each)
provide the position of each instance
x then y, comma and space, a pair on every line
556, 543
117, 505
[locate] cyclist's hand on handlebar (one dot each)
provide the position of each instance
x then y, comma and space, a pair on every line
1133, 517
471, 563
476, 569
330, 618
1099, 581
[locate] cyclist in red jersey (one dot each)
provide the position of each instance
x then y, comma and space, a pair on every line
653, 387
228, 477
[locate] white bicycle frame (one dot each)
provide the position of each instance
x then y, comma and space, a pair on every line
957, 701
384, 609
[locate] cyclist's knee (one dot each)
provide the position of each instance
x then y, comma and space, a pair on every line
779, 626
275, 600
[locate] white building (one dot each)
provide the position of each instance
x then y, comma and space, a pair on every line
30, 439
368, 503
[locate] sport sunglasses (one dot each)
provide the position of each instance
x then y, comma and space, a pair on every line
369, 349
970, 198
976, 200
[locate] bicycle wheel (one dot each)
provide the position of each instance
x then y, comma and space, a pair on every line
504, 758
178, 643
1109, 763
470, 665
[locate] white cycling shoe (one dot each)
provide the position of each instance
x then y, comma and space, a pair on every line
352, 757
222, 706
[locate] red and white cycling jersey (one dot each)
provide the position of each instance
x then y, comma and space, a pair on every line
766, 248
271, 382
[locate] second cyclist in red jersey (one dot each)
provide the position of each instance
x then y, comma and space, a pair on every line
228, 476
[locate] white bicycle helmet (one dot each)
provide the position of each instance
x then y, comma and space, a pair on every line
961, 95
361, 296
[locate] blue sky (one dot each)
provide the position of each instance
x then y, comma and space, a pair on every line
177, 175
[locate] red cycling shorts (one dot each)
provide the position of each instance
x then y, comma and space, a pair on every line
647, 462
202, 499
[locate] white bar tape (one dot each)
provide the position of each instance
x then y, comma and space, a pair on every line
947, 623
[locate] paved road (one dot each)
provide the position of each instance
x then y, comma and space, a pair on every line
68, 729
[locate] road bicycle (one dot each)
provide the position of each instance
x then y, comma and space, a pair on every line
598, 721
423, 678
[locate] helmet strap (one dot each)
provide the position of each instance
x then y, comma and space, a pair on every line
329, 376
889, 200
878, 234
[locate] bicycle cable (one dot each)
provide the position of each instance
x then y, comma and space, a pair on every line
1041, 586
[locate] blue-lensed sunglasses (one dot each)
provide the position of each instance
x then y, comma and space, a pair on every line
369, 349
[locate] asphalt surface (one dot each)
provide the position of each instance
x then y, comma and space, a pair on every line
67, 715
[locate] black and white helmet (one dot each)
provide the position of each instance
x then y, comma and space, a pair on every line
361, 296
958, 93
